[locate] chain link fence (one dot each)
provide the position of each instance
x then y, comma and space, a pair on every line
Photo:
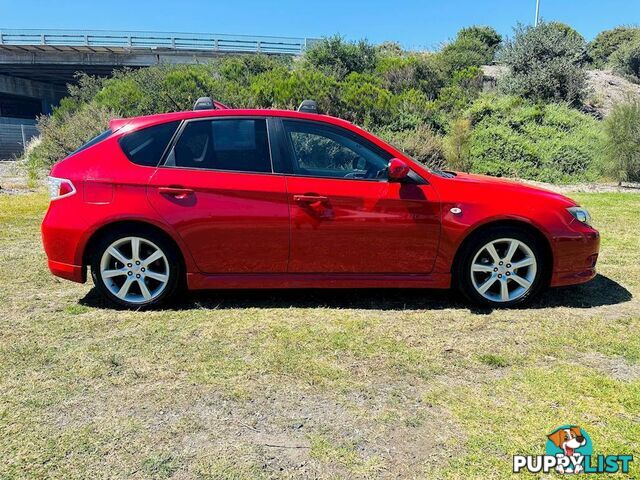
14, 137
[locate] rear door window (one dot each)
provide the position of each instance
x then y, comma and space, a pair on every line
240, 145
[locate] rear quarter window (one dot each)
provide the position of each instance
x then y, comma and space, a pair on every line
146, 146
97, 139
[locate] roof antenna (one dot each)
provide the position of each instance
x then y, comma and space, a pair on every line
308, 106
204, 103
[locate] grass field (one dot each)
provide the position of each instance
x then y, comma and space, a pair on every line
310, 384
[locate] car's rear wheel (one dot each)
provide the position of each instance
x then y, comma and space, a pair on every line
135, 269
502, 268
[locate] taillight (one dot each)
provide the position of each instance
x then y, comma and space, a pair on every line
60, 188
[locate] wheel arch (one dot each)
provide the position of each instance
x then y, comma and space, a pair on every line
125, 225
533, 230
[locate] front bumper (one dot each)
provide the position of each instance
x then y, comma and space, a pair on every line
575, 257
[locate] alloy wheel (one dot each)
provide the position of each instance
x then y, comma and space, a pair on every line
135, 270
503, 270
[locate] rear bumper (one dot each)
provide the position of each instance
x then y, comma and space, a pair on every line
575, 258
61, 239
75, 273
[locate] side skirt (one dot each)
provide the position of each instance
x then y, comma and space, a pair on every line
200, 281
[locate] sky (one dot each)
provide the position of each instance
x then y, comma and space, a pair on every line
416, 24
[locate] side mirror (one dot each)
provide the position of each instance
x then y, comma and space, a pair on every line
398, 170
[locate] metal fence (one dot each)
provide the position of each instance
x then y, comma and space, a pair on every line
13, 138
154, 40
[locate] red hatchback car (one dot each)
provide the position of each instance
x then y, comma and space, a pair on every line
224, 198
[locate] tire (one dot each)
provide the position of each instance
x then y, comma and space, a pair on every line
516, 261
152, 277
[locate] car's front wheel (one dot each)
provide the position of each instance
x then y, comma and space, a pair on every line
502, 268
135, 269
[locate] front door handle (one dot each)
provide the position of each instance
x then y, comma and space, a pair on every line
309, 199
317, 205
176, 192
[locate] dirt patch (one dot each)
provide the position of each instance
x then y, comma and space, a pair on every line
615, 367
607, 89
13, 178
604, 87
386, 432
626, 187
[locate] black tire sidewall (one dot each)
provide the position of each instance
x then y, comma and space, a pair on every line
471, 248
175, 269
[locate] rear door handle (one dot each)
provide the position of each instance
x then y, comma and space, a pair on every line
176, 192
309, 198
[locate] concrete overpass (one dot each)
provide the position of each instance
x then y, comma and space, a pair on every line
36, 65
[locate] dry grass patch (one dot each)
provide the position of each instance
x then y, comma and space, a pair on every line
361, 384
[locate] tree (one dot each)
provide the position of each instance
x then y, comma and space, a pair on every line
626, 59
486, 35
622, 142
608, 42
546, 63
335, 56
472, 47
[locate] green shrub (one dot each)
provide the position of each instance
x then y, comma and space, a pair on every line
420, 143
546, 63
464, 87
161, 88
626, 60
65, 132
622, 142
419, 72
460, 54
513, 137
389, 49
243, 68
84, 91
488, 36
472, 47
608, 42
412, 108
337, 57
364, 101
410, 98
281, 88
457, 145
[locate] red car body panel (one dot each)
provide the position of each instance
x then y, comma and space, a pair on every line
277, 230
225, 216
362, 227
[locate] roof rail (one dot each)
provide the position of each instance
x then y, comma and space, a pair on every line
206, 103
308, 106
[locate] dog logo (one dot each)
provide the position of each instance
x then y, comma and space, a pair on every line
570, 441
569, 451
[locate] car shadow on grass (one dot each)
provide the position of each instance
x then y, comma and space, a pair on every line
598, 292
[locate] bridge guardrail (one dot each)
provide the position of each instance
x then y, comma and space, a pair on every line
155, 40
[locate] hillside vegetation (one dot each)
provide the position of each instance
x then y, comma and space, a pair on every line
430, 104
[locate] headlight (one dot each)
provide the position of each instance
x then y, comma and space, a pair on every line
580, 214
